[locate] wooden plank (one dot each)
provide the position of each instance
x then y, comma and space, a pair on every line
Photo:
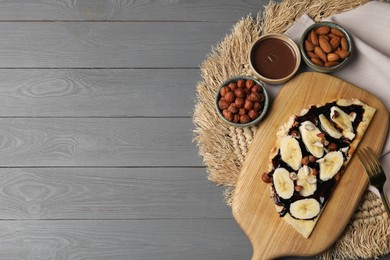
127, 239
108, 45
97, 142
109, 193
189, 10
97, 93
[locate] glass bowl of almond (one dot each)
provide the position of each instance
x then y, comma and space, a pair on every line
326, 47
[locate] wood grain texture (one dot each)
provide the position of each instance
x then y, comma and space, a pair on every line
253, 208
108, 45
97, 93
125, 239
97, 142
112, 193
119, 10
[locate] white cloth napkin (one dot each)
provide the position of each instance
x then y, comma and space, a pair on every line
369, 68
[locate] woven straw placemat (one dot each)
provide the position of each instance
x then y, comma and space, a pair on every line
224, 147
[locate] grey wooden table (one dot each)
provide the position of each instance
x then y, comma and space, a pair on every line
97, 159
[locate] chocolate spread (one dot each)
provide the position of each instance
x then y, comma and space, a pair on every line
324, 188
273, 58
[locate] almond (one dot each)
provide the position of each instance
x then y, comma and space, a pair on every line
314, 38
312, 54
335, 42
317, 61
326, 37
333, 57
337, 32
324, 44
322, 30
331, 63
343, 54
309, 46
344, 44
320, 53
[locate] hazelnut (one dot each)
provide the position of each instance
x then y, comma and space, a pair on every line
236, 118
242, 111
240, 102
295, 134
265, 177
224, 112
232, 86
229, 116
224, 90
256, 88
314, 172
249, 83
257, 106
254, 96
298, 188
244, 119
324, 142
248, 105
229, 96
332, 147
312, 159
241, 83
253, 114
239, 92
233, 108
305, 160
223, 103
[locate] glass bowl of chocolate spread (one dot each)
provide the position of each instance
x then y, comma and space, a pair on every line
275, 58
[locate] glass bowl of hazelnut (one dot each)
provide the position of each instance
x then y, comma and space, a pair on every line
242, 101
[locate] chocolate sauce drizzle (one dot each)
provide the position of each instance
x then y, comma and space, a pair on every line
324, 188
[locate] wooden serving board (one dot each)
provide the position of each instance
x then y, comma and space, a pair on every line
254, 210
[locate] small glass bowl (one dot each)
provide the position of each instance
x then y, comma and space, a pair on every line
319, 68
265, 102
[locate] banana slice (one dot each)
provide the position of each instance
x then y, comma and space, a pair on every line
312, 142
284, 186
343, 121
327, 126
305, 208
291, 152
307, 181
330, 165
